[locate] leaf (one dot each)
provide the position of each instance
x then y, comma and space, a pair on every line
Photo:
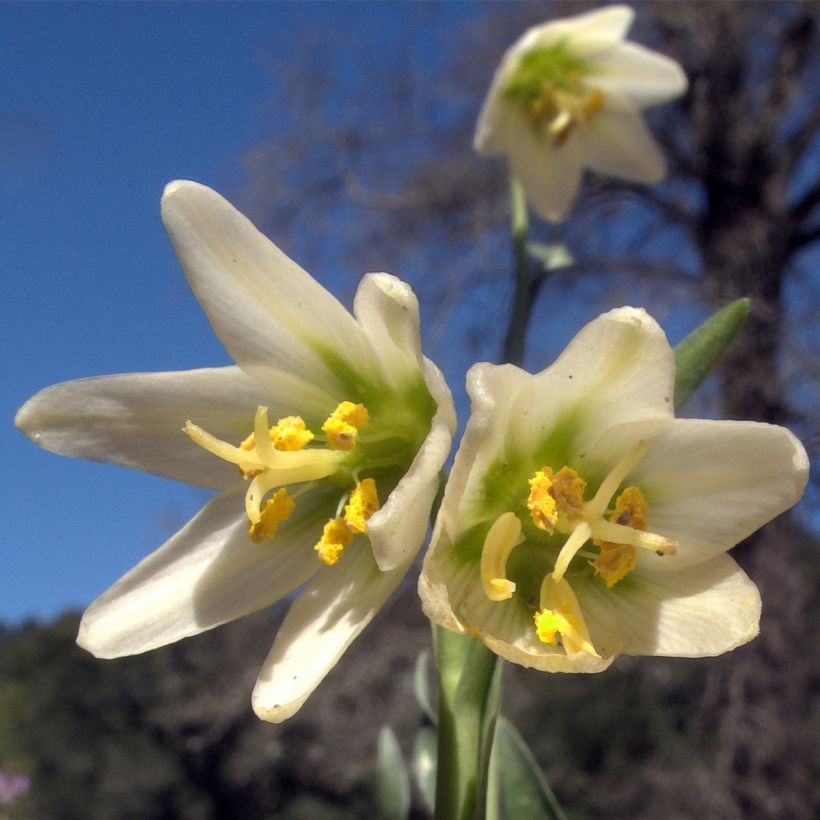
699, 352
393, 783
518, 790
421, 685
424, 765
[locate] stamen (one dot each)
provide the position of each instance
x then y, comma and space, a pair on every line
290, 434
277, 508
364, 501
580, 535
541, 504
227, 452
619, 534
503, 536
555, 498
609, 486
560, 612
335, 537
342, 425
614, 563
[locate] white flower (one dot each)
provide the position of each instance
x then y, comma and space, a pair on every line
567, 96
582, 520
325, 415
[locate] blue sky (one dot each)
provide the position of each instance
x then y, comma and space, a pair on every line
100, 106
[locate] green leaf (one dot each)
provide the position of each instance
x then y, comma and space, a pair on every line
393, 783
421, 685
424, 765
552, 256
518, 790
699, 352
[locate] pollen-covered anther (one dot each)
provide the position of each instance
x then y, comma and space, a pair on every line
335, 537
560, 614
555, 497
503, 536
614, 563
343, 424
275, 510
364, 501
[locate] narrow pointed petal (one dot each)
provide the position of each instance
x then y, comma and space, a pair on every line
710, 484
329, 614
397, 530
588, 33
209, 573
645, 77
388, 312
618, 143
136, 420
276, 321
698, 612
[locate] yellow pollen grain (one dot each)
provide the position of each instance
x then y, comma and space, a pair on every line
364, 501
276, 509
541, 504
342, 425
335, 537
290, 434
548, 625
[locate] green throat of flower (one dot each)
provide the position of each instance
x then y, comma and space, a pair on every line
555, 504
550, 86
281, 462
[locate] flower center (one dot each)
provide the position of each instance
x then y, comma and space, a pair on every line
550, 87
273, 458
556, 504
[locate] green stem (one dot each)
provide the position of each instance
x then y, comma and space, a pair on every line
515, 338
469, 691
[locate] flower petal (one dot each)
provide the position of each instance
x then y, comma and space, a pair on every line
710, 484
276, 321
618, 143
587, 34
208, 573
695, 613
397, 530
388, 312
324, 620
642, 76
136, 420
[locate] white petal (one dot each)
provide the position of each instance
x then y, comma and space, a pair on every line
618, 143
208, 573
272, 317
397, 530
325, 619
587, 34
710, 484
136, 420
695, 613
644, 77
388, 312
550, 176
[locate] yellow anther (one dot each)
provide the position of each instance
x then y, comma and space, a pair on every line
554, 497
503, 536
343, 424
276, 509
614, 563
335, 537
560, 613
290, 434
364, 501
541, 504
630, 509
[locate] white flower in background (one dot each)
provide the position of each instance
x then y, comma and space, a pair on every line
582, 520
568, 96
325, 444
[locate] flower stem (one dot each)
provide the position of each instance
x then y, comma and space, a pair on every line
469, 694
515, 337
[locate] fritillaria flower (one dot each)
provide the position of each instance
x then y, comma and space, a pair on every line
568, 96
582, 520
325, 445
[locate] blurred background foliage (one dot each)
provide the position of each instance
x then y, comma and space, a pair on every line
371, 169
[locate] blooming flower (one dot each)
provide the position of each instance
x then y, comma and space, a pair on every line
325, 444
582, 520
567, 96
